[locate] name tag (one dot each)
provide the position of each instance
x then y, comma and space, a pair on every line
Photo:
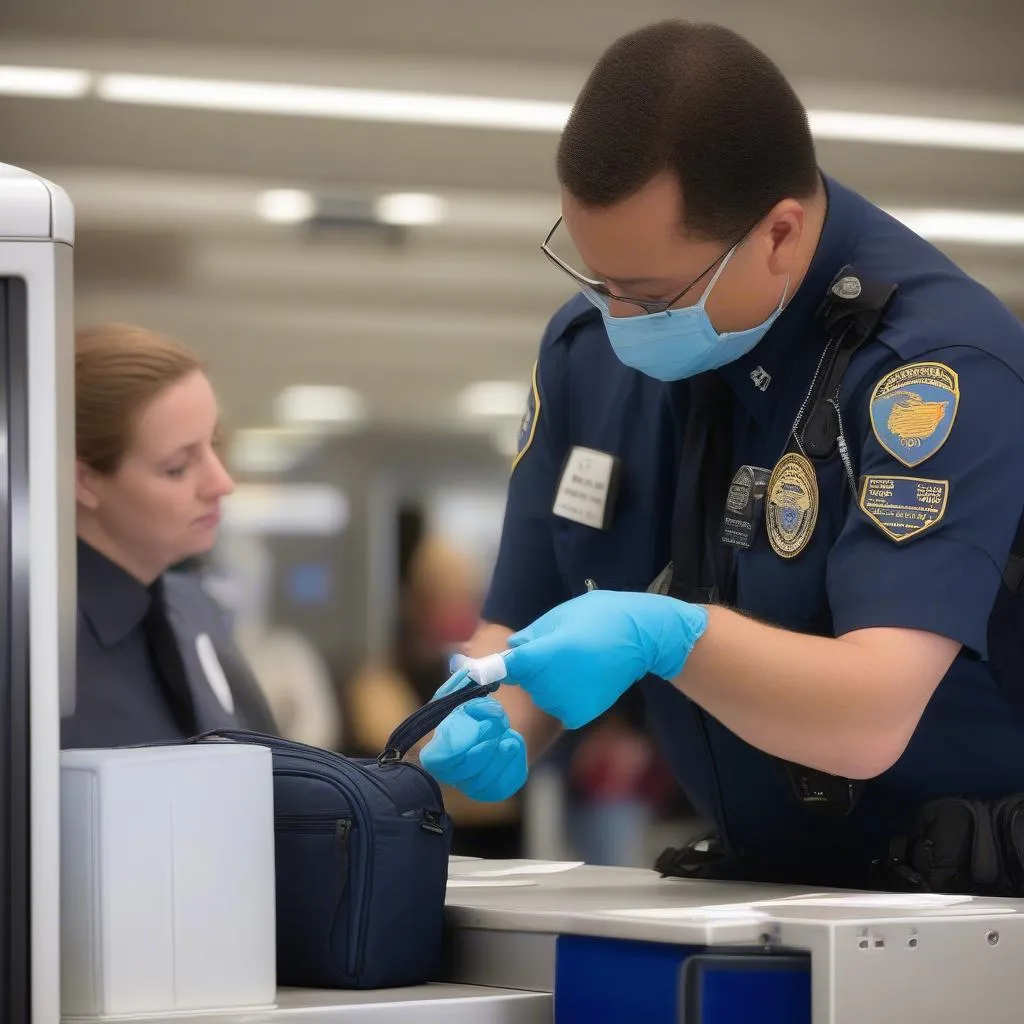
214, 673
586, 491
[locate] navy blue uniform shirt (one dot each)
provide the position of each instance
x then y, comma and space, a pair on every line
853, 573
119, 696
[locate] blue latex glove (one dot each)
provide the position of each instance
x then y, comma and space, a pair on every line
579, 658
475, 749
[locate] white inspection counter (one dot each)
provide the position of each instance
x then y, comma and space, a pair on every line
528, 941
425, 1004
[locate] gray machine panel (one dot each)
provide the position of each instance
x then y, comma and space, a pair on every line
877, 957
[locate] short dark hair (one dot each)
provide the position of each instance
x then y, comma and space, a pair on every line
699, 101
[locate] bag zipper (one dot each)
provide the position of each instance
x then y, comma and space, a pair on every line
325, 823
325, 816
354, 954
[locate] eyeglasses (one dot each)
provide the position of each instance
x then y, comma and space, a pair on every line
648, 305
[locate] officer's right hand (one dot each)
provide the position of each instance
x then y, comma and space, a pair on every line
476, 750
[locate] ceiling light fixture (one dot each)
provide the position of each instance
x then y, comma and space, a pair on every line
409, 209
903, 130
505, 113
287, 508
327, 101
964, 226
319, 405
492, 399
50, 83
269, 450
285, 206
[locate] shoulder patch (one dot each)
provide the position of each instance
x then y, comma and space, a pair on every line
528, 424
903, 506
913, 410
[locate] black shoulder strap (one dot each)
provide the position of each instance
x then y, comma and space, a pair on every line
702, 567
849, 315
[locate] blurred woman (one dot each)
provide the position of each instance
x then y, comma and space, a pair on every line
155, 661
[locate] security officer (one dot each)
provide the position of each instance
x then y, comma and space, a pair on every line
805, 425
155, 660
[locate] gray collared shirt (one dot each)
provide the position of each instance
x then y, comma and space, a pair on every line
119, 697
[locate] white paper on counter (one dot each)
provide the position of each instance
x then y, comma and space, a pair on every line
488, 883
729, 913
877, 901
503, 868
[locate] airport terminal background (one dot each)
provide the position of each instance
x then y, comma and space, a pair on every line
369, 294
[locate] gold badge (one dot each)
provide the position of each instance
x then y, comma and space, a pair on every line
791, 509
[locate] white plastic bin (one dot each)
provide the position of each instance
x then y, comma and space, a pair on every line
167, 880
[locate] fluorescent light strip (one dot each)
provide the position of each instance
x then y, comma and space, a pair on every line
321, 101
488, 398
513, 114
943, 132
464, 111
410, 209
49, 83
285, 206
964, 226
292, 206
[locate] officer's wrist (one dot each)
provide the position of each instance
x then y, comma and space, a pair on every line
684, 626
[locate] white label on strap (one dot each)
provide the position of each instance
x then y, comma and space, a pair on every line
214, 673
584, 488
490, 669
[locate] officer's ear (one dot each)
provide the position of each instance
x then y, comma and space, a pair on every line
785, 228
86, 491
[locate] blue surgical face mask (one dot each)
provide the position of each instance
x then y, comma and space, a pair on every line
679, 343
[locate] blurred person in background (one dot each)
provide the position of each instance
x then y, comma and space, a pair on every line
292, 673
618, 788
154, 661
439, 609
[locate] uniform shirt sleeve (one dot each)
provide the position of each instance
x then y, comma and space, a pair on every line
943, 579
527, 581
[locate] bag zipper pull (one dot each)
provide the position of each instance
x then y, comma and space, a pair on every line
431, 822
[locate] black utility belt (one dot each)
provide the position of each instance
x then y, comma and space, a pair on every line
961, 846
956, 846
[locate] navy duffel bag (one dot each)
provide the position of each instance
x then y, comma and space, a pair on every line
362, 858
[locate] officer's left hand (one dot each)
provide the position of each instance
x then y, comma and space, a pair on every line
580, 657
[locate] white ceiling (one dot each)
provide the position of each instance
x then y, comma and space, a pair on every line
166, 198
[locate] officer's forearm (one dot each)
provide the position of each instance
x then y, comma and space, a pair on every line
846, 706
538, 729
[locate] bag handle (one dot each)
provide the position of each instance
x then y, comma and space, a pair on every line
405, 736
428, 718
